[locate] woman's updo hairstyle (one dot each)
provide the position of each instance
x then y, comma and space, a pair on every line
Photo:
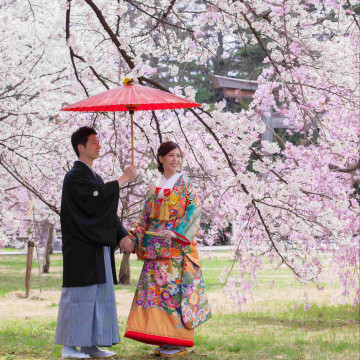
164, 149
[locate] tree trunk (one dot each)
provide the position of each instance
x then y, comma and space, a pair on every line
30, 251
124, 273
48, 248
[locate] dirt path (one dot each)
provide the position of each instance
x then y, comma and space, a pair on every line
46, 304
271, 300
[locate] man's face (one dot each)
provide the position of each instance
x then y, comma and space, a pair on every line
92, 149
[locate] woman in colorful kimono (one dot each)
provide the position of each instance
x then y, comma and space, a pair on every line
170, 299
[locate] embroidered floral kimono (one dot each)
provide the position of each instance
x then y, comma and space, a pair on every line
170, 299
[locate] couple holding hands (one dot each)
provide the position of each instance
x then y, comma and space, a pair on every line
170, 299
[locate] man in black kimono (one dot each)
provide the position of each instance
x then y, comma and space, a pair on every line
91, 230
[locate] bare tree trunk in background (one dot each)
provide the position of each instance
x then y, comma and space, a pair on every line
124, 273
49, 249
29, 258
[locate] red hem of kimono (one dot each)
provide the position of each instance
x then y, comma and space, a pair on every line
183, 240
157, 340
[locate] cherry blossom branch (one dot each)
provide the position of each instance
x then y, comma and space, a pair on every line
164, 16
273, 243
113, 37
14, 173
13, 150
157, 125
116, 42
161, 21
190, 145
260, 42
67, 27
294, 212
350, 169
353, 14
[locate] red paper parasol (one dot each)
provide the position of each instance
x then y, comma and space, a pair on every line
131, 97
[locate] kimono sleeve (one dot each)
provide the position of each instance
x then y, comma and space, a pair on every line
91, 196
91, 209
121, 231
188, 226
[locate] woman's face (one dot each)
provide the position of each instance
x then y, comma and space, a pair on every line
171, 161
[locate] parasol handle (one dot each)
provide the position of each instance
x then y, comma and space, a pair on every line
132, 136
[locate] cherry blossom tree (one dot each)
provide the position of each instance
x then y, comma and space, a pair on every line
289, 203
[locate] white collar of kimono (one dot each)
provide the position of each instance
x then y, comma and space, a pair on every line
165, 183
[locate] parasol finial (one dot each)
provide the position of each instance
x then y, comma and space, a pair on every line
128, 81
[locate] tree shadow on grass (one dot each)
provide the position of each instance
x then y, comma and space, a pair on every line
319, 324
317, 318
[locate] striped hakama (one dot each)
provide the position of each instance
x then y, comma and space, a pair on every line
87, 315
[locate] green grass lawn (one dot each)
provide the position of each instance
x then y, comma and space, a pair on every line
289, 335
278, 332
10, 249
12, 270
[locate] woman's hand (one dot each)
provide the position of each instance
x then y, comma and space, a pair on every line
167, 234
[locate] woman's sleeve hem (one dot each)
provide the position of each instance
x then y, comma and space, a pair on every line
181, 239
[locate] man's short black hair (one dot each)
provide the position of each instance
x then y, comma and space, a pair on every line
81, 136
